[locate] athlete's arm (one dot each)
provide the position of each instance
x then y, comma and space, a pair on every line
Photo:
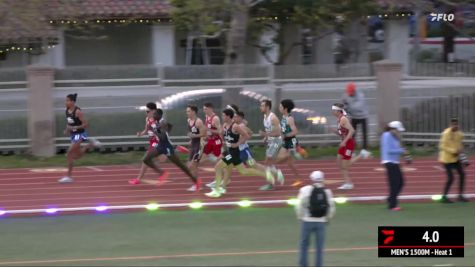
293, 128
144, 130
202, 127
344, 122
216, 123
276, 130
81, 117
243, 135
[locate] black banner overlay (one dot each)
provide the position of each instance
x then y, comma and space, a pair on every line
421, 241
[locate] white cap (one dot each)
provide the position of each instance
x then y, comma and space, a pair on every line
317, 176
397, 125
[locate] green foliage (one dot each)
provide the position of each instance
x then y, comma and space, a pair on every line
200, 16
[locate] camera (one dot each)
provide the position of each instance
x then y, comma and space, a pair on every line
464, 159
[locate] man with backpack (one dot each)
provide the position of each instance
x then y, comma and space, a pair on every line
315, 208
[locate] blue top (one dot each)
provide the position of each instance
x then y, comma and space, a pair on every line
391, 149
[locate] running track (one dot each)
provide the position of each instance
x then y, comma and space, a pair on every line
28, 189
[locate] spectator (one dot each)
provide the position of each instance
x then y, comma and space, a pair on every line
450, 148
315, 208
355, 104
391, 152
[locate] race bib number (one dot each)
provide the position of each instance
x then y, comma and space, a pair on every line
228, 157
348, 152
155, 145
218, 142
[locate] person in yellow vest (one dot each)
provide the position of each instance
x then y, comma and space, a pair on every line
450, 148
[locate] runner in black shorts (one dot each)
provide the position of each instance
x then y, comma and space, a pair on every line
196, 132
165, 149
76, 128
234, 136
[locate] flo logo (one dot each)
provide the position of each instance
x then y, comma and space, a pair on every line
442, 17
389, 236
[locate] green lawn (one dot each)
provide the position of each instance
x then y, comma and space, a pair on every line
24, 161
167, 233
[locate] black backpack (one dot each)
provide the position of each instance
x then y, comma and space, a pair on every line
318, 205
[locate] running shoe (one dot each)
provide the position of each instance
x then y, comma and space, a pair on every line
134, 181
163, 178
95, 143
297, 183
365, 153
269, 176
302, 152
266, 187
222, 190
214, 193
211, 185
346, 186
462, 199
182, 149
396, 209
196, 187
280, 177
66, 179
446, 200
191, 188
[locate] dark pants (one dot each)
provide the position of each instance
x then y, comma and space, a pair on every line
364, 125
450, 176
307, 229
396, 182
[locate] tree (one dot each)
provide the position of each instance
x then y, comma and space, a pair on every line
319, 17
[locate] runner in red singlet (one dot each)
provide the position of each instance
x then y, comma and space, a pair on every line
214, 141
347, 145
153, 142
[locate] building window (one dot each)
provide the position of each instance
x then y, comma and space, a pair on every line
204, 51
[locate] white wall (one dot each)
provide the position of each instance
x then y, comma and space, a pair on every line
163, 45
121, 45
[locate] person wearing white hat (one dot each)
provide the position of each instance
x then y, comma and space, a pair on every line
391, 151
314, 209
347, 146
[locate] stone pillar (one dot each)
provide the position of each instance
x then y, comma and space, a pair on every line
388, 76
41, 120
396, 42
163, 45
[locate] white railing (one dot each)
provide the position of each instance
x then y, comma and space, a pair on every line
130, 142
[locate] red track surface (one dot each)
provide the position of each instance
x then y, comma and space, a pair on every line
26, 189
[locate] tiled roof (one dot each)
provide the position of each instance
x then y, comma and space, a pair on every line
396, 5
105, 9
27, 21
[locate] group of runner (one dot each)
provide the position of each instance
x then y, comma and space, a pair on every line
222, 142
